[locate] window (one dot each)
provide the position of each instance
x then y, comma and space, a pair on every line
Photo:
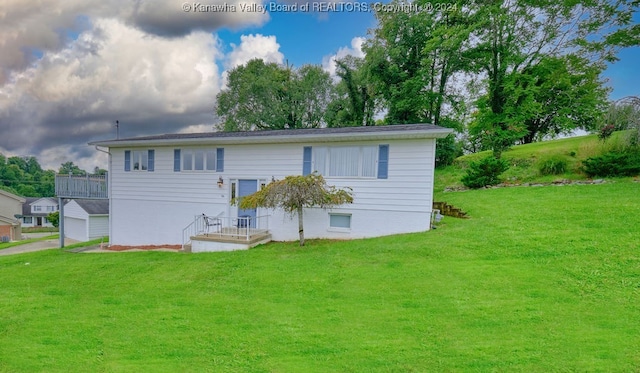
27, 220
340, 221
198, 160
139, 160
51, 208
46, 221
345, 161
37, 208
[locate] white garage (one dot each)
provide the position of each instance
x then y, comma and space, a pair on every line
86, 219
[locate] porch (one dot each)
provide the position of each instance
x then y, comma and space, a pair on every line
218, 233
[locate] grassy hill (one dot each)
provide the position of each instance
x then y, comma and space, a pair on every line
525, 160
539, 279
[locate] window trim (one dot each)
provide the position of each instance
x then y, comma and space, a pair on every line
341, 229
312, 161
212, 160
131, 157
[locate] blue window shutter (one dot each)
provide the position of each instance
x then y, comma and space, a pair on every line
306, 160
383, 161
127, 160
219, 159
176, 160
152, 162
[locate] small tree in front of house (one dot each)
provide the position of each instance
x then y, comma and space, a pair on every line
294, 193
54, 218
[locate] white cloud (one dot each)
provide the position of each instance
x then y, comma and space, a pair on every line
329, 62
254, 46
111, 72
29, 29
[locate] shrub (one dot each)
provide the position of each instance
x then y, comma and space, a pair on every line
613, 164
606, 131
553, 165
484, 172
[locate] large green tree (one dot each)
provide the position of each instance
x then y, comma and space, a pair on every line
412, 58
262, 96
354, 102
24, 176
517, 36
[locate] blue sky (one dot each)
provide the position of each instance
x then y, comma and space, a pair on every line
306, 38
69, 70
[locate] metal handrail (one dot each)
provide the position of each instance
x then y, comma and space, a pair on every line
243, 226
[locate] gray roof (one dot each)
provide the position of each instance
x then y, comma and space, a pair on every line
94, 206
399, 130
26, 207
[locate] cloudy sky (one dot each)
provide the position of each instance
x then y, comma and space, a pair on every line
70, 68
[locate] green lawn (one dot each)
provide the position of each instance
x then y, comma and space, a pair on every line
539, 279
7, 245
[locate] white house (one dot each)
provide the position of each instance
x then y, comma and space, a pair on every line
35, 211
86, 219
158, 184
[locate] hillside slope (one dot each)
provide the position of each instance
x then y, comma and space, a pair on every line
525, 160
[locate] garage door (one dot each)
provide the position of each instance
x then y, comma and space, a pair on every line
75, 228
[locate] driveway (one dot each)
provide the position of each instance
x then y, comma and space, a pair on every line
36, 246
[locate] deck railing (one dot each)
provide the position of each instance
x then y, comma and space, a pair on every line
243, 228
88, 186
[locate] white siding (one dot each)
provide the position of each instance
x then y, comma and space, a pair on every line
75, 228
154, 207
98, 226
73, 210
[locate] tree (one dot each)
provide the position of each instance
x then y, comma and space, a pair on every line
413, 57
567, 95
25, 177
415, 62
354, 103
269, 96
294, 193
99, 171
515, 36
70, 168
624, 114
54, 218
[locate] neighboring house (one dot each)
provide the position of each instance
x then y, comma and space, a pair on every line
10, 209
35, 211
86, 219
159, 183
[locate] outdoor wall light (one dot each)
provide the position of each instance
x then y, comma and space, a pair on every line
220, 182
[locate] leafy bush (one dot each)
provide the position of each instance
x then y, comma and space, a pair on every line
484, 172
606, 131
613, 164
553, 165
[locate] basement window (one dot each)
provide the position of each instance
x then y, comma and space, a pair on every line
340, 222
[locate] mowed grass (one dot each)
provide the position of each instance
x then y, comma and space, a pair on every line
539, 279
525, 160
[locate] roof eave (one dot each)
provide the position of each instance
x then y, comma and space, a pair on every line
329, 137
